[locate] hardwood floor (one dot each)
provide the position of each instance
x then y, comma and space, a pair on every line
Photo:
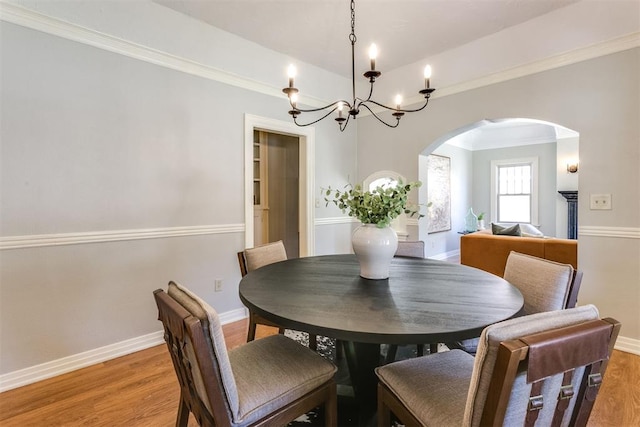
141, 390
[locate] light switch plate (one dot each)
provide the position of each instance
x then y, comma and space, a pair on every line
600, 202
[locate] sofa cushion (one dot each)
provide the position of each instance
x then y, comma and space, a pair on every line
499, 230
528, 230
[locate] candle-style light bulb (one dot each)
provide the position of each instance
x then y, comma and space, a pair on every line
427, 76
398, 101
291, 72
340, 107
294, 99
373, 53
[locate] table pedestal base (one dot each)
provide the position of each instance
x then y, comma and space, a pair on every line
362, 359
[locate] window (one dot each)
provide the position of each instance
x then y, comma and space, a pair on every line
384, 179
514, 190
382, 182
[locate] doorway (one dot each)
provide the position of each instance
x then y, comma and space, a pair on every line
306, 178
474, 147
276, 195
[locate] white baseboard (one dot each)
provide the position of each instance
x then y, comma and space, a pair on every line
92, 357
74, 362
445, 255
628, 345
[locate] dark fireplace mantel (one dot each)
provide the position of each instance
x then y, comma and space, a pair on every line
572, 222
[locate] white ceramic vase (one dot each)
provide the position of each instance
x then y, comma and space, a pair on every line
374, 247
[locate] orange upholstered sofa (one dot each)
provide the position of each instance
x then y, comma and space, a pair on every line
489, 252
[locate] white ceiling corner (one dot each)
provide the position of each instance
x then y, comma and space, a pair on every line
406, 31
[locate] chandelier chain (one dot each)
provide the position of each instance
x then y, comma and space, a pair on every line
352, 36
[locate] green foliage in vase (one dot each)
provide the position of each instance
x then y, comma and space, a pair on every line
379, 206
481, 216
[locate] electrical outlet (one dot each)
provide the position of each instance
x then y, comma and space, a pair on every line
600, 202
218, 285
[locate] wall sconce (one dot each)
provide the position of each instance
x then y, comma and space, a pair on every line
572, 167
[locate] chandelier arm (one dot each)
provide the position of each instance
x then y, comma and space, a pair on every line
380, 119
426, 102
315, 121
370, 93
343, 126
394, 109
314, 110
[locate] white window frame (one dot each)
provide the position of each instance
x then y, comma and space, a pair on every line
533, 162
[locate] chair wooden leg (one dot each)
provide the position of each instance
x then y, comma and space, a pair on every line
420, 350
433, 348
331, 408
183, 413
251, 333
339, 350
391, 353
384, 414
313, 342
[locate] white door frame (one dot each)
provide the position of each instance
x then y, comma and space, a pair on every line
306, 213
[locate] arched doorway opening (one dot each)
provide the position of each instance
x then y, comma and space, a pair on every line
476, 149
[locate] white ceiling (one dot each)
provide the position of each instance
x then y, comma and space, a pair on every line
405, 31
491, 134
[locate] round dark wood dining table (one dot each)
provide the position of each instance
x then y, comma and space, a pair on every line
423, 301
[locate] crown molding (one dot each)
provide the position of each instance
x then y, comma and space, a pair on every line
47, 24
575, 56
31, 19
45, 240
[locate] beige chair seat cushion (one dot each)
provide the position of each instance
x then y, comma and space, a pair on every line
260, 376
272, 372
432, 387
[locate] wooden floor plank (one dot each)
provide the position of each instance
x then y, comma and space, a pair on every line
141, 389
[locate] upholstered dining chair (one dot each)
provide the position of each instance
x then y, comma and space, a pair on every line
410, 249
545, 366
254, 258
266, 382
545, 285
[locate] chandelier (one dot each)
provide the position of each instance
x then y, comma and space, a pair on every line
353, 107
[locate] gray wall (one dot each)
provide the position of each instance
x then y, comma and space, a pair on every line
94, 141
600, 99
461, 200
546, 154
